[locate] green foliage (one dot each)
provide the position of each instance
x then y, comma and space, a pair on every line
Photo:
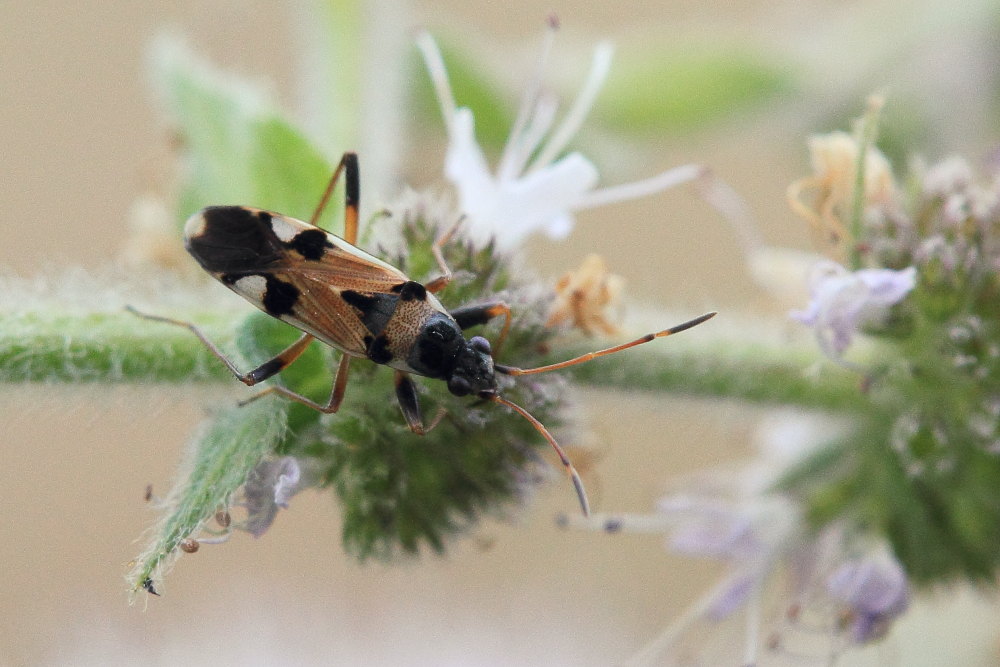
675, 90
238, 149
230, 446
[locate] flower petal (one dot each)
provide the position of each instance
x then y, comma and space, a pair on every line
842, 301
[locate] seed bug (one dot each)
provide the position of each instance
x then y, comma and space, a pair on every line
338, 294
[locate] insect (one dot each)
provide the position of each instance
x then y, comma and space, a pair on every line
149, 586
340, 295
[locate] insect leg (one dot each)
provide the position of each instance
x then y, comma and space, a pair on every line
336, 393
406, 393
470, 316
512, 370
352, 190
442, 281
259, 374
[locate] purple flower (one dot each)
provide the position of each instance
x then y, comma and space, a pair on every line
843, 300
875, 592
751, 534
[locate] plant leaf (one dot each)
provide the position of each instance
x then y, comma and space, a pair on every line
240, 150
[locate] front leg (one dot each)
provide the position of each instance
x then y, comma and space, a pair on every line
406, 394
470, 316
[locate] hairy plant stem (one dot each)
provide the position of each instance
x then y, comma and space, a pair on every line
118, 347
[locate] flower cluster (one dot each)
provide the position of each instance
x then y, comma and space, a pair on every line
836, 579
901, 492
922, 465
401, 495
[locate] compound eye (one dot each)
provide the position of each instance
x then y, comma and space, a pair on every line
480, 344
459, 386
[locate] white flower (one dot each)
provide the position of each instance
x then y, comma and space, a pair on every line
532, 188
843, 300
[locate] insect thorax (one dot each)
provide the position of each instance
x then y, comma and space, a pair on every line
436, 347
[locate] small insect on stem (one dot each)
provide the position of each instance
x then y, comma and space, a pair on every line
147, 585
338, 294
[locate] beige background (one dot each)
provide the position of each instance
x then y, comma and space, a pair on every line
78, 133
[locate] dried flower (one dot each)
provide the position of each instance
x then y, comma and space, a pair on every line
834, 158
534, 187
588, 298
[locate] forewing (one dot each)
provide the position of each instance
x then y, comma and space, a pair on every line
290, 269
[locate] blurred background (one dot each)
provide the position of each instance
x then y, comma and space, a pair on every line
82, 138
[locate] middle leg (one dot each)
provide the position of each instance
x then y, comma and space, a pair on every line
406, 394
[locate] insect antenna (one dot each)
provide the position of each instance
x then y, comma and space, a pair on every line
581, 493
513, 370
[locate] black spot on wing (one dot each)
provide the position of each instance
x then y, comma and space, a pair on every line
375, 309
234, 239
377, 349
311, 244
279, 296
410, 290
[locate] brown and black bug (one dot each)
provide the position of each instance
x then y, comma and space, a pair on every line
340, 295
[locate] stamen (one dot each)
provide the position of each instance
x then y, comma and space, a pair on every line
439, 77
733, 208
516, 146
538, 126
599, 69
668, 179
620, 523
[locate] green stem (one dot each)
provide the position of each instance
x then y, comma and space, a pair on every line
336, 61
119, 347
48, 346
751, 370
866, 140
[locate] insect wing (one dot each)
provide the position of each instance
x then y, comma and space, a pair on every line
292, 270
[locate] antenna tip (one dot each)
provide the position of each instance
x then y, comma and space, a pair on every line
687, 325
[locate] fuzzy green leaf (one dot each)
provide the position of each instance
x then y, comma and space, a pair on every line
240, 150
221, 457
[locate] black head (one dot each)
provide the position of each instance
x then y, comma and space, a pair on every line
473, 371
